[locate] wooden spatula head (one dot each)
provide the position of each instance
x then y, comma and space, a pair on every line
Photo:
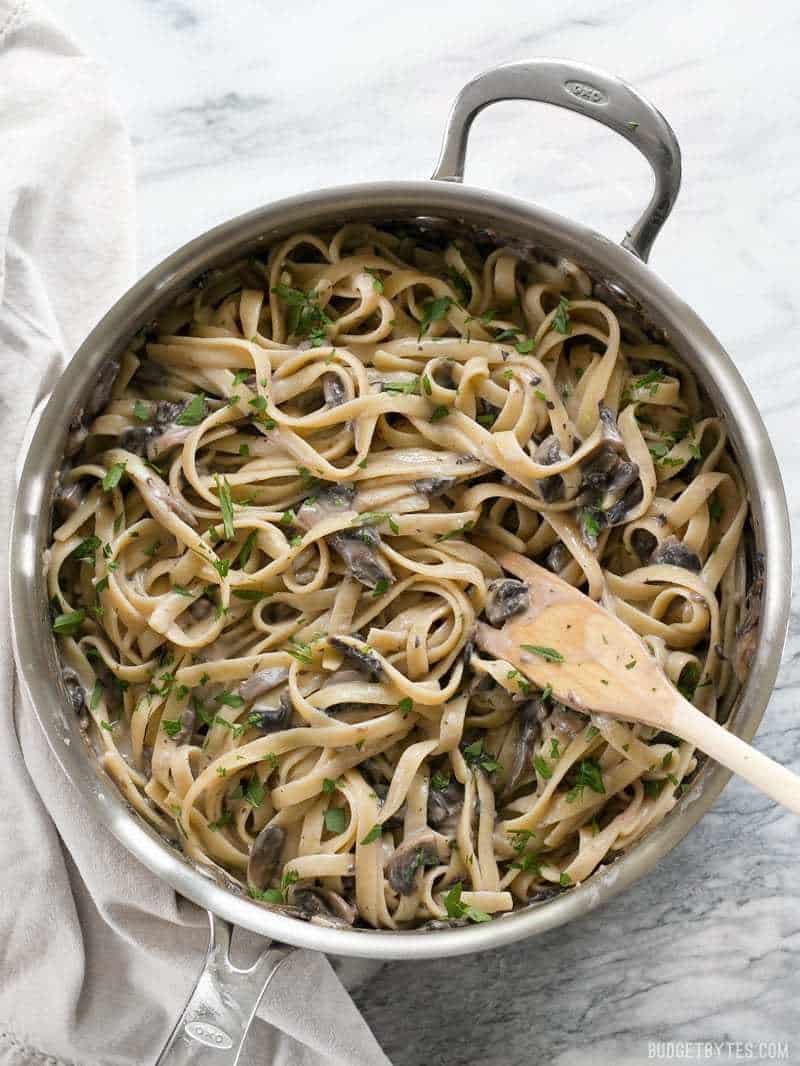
590, 659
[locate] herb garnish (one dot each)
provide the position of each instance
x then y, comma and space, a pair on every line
433, 311
112, 477
306, 318
561, 322
588, 775
550, 654
456, 909
194, 412
478, 759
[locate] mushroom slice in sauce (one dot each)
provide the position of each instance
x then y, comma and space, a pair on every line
262, 681
271, 719
265, 856
75, 691
672, 552
333, 390
548, 452
328, 502
445, 804
530, 717
364, 660
322, 903
161, 497
507, 597
423, 848
357, 549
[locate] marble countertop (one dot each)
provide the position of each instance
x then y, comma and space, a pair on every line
233, 105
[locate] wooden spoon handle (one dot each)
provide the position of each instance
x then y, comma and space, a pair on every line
762, 772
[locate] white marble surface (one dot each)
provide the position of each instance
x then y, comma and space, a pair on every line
234, 104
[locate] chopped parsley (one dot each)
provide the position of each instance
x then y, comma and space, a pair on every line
433, 311
561, 322
68, 624
375, 518
335, 819
254, 793
542, 767
439, 781
457, 909
372, 835
405, 704
328, 785
226, 504
407, 388
171, 726
305, 318
194, 412
478, 759
550, 654
87, 548
524, 684
246, 549
588, 775
439, 413
141, 411
112, 477
377, 280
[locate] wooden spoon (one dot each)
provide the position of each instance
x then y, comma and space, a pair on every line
595, 662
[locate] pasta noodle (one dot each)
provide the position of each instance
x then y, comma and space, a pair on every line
278, 522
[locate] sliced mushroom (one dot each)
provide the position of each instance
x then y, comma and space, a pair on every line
327, 503
597, 471
101, 392
643, 542
160, 434
201, 609
68, 498
623, 477
75, 691
272, 719
433, 486
423, 848
672, 552
364, 659
507, 597
531, 715
162, 495
619, 512
150, 373
566, 722
548, 452
558, 557
610, 431
262, 681
333, 390
445, 804
322, 903
265, 856
76, 436
357, 549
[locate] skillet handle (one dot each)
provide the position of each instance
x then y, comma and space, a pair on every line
215, 1021
589, 92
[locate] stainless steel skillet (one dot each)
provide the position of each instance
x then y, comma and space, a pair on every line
215, 1021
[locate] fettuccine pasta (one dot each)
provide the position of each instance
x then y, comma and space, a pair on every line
278, 523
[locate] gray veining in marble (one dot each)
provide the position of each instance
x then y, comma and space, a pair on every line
234, 104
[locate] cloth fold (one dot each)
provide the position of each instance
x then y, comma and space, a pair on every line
97, 956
